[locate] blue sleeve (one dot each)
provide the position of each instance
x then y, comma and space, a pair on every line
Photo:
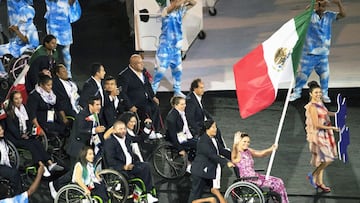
332, 15
75, 12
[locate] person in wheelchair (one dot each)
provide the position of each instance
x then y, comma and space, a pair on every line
85, 176
196, 113
206, 168
178, 132
119, 156
26, 36
242, 157
24, 196
8, 171
19, 132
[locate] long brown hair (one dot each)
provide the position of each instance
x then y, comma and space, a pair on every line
10, 107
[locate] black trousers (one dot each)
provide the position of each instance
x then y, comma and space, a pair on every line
36, 149
13, 176
142, 170
197, 187
190, 147
100, 190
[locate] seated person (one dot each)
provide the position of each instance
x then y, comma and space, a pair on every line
66, 91
196, 114
19, 132
138, 94
206, 168
43, 110
119, 156
242, 157
6, 170
85, 176
137, 138
26, 36
23, 197
114, 103
87, 129
42, 60
178, 131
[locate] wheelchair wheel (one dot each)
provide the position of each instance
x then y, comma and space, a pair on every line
273, 197
116, 184
243, 192
13, 155
71, 193
167, 161
18, 65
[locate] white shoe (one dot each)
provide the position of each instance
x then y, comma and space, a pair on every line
52, 190
4, 75
326, 99
159, 135
55, 167
294, 96
179, 94
188, 168
46, 172
151, 198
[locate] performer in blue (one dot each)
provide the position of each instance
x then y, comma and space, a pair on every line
59, 15
316, 48
169, 50
25, 33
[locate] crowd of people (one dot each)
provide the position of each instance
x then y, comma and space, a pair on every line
99, 119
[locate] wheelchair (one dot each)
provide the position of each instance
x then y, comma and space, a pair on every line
167, 161
14, 162
244, 191
120, 187
16, 65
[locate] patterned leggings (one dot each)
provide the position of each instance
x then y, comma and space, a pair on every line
275, 184
165, 57
319, 63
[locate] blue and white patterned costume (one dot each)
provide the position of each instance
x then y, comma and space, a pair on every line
59, 15
24, 21
316, 51
169, 50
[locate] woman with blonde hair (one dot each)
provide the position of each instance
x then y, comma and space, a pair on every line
242, 157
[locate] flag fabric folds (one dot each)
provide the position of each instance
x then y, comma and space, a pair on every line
259, 73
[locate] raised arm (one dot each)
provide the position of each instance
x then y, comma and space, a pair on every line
341, 13
263, 153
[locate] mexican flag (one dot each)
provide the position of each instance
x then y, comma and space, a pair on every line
259, 73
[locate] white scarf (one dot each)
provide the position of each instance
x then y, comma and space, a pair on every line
72, 92
4, 150
48, 97
22, 116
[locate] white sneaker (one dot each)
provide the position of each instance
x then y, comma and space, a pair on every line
46, 172
151, 198
159, 135
188, 168
4, 75
179, 94
294, 96
52, 190
55, 167
326, 99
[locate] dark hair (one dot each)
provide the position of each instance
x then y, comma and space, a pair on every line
207, 125
43, 79
58, 66
92, 100
95, 67
175, 100
10, 107
195, 84
48, 38
126, 116
313, 85
4, 191
110, 77
82, 155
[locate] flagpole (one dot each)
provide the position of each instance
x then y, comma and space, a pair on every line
280, 128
